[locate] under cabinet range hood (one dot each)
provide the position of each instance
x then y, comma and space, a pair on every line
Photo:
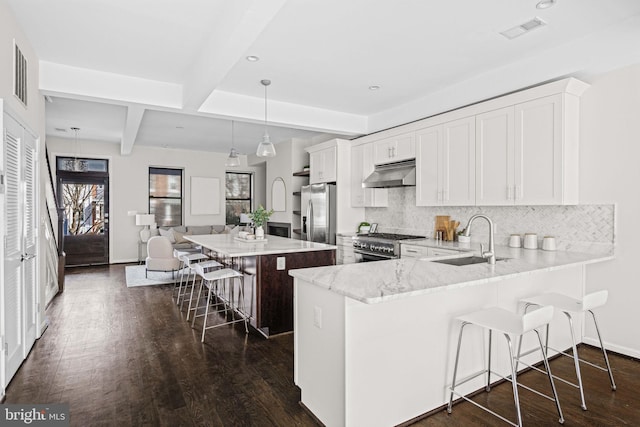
398, 174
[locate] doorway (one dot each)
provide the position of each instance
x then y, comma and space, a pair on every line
83, 187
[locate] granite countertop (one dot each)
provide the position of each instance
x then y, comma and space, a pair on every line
228, 245
374, 282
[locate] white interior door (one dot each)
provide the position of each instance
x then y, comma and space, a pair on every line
19, 287
13, 289
29, 228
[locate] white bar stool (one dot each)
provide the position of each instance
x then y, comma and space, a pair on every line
207, 265
510, 324
185, 258
211, 280
570, 305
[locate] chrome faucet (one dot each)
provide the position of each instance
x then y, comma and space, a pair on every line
491, 253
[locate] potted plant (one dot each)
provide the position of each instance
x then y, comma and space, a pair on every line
462, 238
260, 217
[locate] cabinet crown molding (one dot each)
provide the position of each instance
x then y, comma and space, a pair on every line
569, 86
328, 144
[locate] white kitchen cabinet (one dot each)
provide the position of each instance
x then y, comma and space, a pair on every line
495, 178
539, 153
323, 165
526, 154
361, 167
445, 164
344, 251
394, 149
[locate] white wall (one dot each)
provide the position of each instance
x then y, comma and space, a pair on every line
129, 185
609, 173
290, 158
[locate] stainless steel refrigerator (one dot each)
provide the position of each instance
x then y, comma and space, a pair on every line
319, 213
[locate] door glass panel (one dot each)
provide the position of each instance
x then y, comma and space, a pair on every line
74, 164
83, 209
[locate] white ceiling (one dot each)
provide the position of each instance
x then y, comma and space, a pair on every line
173, 74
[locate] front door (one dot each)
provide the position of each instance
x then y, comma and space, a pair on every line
85, 227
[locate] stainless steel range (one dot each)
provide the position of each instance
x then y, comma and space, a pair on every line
378, 246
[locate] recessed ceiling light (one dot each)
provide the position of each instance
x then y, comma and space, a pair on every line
252, 58
545, 4
374, 87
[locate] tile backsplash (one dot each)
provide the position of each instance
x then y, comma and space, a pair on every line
586, 228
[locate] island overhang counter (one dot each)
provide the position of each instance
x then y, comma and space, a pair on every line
374, 343
266, 264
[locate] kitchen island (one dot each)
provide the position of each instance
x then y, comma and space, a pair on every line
374, 342
266, 264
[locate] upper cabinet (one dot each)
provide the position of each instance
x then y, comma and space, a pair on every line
527, 153
330, 161
394, 149
361, 167
495, 178
323, 166
445, 164
517, 149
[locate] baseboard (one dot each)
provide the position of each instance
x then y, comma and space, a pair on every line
624, 351
43, 326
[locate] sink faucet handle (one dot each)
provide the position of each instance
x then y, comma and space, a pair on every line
481, 249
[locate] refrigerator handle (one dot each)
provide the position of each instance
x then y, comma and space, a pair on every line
310, 221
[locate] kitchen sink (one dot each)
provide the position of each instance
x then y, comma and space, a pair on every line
468, 260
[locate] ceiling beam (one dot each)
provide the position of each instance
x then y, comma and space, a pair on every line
134, 118
235, 31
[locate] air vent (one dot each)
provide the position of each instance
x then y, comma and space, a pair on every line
524, 28
19, 75
60, 129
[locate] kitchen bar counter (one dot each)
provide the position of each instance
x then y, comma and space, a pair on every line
375, 342
268, 286
375, 282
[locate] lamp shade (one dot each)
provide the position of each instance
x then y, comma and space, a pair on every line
244, 219
145, 219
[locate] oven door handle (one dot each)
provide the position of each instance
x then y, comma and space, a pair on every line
360, 255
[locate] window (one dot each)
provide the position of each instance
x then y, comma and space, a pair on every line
238, 195
165, 196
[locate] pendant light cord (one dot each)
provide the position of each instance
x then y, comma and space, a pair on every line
265, 107
265, 83
75, 145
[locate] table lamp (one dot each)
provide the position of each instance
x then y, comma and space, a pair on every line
145, 220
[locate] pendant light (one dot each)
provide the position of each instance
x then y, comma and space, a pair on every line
266, 148
233, 160
75, 164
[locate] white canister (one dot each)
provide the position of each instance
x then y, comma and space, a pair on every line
549, 243
531, 241
515, 241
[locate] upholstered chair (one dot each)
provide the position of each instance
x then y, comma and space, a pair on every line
160, 256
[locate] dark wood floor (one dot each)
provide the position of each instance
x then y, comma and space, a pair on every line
125, 356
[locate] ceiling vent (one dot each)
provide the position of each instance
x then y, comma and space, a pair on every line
19, 75
521, 29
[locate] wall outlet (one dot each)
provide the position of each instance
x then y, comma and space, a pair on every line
317, 317
281, 263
